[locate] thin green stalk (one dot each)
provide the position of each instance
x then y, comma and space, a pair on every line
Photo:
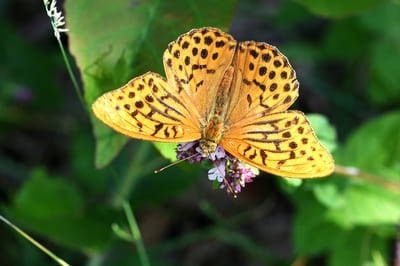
34, 242
139, 166
136, 236
71, 74
58, 23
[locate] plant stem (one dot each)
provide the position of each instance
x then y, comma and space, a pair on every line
71, 74
397, 259
136, 236
355, 172
138, 167
58, 23
34, 242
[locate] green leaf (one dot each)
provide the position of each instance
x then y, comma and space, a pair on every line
42, 190
301, 51
375, 149
122, 39
289, 185
325, 132
290, 13
338, 8
368, 204
384, 80
82, 163
167, 150
342, 203
388, 16
169, 183
317, 229
54, 207
344, 40
329, 194
314, 230
360, 247
108, 143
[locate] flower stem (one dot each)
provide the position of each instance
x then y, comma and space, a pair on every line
34, 242
355, 172
136, 236
71, 74
58, 23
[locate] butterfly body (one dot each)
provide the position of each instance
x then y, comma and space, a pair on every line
215, 126
223, 93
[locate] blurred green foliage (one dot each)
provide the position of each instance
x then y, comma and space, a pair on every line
63, 174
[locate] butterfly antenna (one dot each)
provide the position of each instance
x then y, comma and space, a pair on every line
171, 164
227, 183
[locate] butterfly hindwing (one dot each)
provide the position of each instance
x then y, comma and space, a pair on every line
282, 143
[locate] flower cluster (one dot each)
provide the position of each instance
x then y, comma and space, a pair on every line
56, 17
231, 173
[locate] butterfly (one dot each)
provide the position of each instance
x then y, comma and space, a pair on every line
221, 92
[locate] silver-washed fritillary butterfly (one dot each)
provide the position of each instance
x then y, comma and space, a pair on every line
223, 93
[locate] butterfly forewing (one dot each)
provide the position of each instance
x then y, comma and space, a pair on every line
148, 108
264, 82
195, 65
281, 143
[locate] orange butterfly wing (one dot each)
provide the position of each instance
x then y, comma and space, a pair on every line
148, 108
282, 143
153, 108
259, 130
195, 64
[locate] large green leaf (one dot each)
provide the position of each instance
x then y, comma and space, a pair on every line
314, 230
328, 8
344, 40
383, 20
318, 229
114, 41
384, 80
54, 207
360, 247
40, 197
325, 132
168, 150
339, 204
375, 149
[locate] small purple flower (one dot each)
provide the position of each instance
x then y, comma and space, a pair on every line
217, 173
228, 171
188, 149
240, 175
23, 94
